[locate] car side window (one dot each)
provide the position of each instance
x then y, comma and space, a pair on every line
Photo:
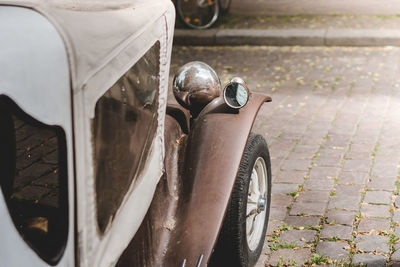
33, 167
123, 128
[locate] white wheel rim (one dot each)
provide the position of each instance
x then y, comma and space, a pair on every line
255, 213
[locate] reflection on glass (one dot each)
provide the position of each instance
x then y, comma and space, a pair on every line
236, 95
124, 126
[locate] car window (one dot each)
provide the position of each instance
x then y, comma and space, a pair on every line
33, 167
124, 126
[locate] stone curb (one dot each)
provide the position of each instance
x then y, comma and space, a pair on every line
288, 37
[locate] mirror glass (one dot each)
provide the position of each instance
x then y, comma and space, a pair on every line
236, 95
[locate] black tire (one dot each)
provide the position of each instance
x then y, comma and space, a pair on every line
224, 6
232, 247
197, 17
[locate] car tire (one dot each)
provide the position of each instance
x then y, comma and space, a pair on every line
236, 246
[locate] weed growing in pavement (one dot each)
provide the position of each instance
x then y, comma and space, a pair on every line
285, 227
316, 227
334, 238
283, 245
318, 259
393, 238
293, 194
282, 262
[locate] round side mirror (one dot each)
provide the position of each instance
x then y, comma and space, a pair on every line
236, 94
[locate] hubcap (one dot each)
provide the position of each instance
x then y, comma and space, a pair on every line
256, 203
261, 204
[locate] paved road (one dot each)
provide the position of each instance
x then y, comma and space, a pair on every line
334, 135
295, 7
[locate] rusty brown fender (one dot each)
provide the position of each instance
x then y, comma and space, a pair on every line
214, 150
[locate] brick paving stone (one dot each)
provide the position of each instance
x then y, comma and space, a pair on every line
369, 210
384, 170
304, 151
278, 213
348, 189
280, 200
369, 260
278, 188
348, 202
397, 202
298, 237
321, 173
397, 231
378, 197
396, 256
357, 165
314, 184
353, 178
299, 255
337, 140
396, 216
316, 208
273, 225
262, 261
313, 196
331, 153
370, 243
296, 164
325, 161
341, 216
358, 155
386, 183
341, 231
369, 224
333, 250
299, 221
296, 177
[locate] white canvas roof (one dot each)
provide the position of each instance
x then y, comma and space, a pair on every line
96, 32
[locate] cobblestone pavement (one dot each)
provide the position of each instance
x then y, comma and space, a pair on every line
334, 135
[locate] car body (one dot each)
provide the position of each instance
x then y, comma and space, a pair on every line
125, 178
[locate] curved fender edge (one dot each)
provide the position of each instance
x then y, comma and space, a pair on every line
214, 151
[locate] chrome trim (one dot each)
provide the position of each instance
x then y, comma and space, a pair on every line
199, 260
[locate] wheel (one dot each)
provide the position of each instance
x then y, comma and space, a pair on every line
243, 231
224, 5
198, 14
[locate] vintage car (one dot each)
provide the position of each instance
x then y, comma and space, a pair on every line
98, 167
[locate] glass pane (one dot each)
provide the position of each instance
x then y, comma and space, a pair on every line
124, 125
33, 163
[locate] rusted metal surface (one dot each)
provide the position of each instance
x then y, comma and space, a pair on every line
151, 241
187, 211
181, 115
